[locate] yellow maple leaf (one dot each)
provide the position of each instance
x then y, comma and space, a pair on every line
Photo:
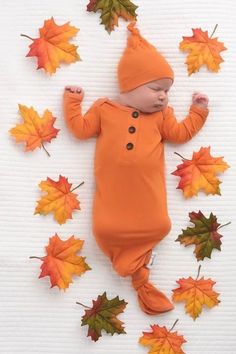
52, 46
163, 341
196, 294
59, 199
203, 50
34, 131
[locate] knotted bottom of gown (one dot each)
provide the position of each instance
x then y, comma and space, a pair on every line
151, 300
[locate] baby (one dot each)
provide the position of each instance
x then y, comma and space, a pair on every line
130, 213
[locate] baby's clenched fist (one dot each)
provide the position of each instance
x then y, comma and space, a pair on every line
75, 89
200, 100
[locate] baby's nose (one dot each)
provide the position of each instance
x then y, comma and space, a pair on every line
162, 96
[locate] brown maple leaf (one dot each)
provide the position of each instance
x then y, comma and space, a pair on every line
112, 10
103, 316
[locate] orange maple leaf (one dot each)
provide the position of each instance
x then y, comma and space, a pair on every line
203, 50
52, 46
199, 173
61, 261
59, 199
162, 341
35, 130
196, 293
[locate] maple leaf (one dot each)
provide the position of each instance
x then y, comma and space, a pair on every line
199, 173
62, 262
52, 47
102, 316
34, 131
203, 50
162, 341
204, 235
196, 293
112, 10
59, 199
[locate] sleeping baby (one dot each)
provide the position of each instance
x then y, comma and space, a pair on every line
130, 215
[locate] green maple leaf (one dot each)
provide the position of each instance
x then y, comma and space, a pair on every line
204, 235
112, 10
102, 316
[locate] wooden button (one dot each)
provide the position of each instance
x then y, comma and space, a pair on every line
132, 129
129, 146
135, 114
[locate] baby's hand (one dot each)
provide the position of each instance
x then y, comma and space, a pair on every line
75, 89
200, 99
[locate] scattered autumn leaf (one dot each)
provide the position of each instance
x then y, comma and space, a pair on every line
61, 261
162, 341
203, 50
59, 199
199, 173
34, 131
102, 316
204, 235
196, 293
52, 47
112, 10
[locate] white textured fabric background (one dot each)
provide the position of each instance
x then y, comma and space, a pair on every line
37, 319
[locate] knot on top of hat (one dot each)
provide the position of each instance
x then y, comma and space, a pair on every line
135, 37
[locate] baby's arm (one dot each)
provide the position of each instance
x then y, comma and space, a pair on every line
180, 132
82, 127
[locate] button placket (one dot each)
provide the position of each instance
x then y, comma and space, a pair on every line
131, 141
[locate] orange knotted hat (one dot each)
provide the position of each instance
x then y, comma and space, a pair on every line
141, 62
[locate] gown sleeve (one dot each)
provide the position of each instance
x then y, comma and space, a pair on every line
82, 126
181, 132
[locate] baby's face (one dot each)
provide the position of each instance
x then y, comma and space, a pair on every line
151, 97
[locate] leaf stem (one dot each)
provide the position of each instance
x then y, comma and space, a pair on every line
77, 186
224, 225
79, 303
181, 156
198, 273
35, 257
25, 35
174, 325
45, 150
214, 30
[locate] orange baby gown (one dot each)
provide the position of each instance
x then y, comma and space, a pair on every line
130, 212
